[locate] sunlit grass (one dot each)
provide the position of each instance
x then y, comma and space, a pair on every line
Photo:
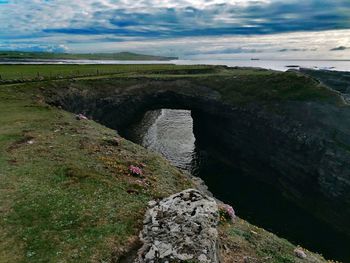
41, 72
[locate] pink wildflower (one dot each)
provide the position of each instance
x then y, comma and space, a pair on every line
226, 212
135, 170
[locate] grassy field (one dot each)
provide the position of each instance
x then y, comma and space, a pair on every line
66, 194
267, 86
242, 240
237, 85
17, 73
65, 191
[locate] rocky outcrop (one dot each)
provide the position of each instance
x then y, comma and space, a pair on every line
180, 228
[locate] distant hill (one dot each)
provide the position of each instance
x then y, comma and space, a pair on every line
12, 55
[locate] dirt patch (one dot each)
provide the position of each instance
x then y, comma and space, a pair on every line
27, 139
128, 255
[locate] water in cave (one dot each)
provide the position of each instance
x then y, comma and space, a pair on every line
170, 132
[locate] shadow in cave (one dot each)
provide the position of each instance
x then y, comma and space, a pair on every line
166, 131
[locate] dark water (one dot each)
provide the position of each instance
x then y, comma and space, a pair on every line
169, 132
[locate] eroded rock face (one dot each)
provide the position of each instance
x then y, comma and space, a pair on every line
180, 228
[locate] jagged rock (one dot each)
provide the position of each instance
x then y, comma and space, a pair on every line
179, 228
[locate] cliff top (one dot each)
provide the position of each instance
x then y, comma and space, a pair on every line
67, 192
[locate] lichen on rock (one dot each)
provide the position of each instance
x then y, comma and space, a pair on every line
180, 228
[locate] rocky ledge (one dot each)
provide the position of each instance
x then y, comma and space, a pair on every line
180, 228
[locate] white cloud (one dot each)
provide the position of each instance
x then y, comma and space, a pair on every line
35, 15
28, 23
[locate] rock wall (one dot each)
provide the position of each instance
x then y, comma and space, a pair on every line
296, 154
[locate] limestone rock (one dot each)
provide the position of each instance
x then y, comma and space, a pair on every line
299, 253
81, 117
180, 228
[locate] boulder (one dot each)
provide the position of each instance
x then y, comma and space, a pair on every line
180, 228
300, 253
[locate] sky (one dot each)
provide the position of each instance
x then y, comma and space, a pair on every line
313, 29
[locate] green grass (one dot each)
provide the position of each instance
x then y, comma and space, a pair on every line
237, 85
246, 240
65, 197
42, 72
268, 86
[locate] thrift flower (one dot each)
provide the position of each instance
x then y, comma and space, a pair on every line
134, 170
226, 213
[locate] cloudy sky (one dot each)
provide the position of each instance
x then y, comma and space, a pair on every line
185, 28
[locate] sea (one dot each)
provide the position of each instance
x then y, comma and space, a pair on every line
274, 64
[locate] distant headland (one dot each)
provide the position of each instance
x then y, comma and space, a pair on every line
19, 55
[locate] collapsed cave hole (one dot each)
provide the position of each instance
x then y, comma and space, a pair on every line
252, 158
181, 138
168, 132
